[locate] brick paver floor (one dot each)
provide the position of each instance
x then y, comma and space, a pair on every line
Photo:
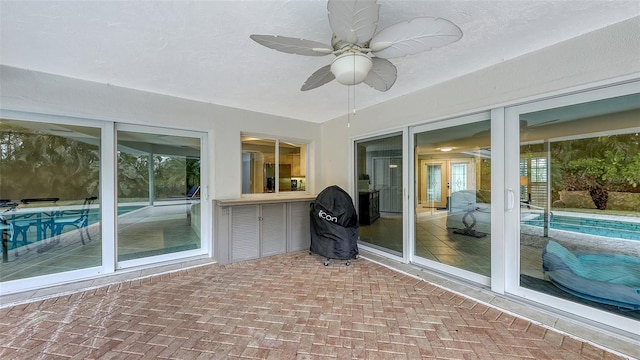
282, 307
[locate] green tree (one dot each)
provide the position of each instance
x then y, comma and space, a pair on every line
599, 165
38, 164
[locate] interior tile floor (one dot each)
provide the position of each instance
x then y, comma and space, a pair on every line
434, 241
287, 306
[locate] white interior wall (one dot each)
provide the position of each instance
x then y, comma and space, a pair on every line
609, 53
35, 92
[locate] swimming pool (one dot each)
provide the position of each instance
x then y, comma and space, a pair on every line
94, 213
591, 226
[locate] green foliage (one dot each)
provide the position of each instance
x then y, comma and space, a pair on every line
38, 164
608, 162
42, 165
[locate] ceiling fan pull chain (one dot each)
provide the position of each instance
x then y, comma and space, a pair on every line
348, 108
354, 85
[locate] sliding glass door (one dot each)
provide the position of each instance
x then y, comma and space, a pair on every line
50, 213
578, 218
452, 196
63, 214
379, 179
159, 191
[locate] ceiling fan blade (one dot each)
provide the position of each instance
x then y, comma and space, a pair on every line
382, 75
353, 21
414, 36
318, 78
293, 45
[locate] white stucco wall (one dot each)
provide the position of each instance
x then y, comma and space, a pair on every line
608, 53
35, 92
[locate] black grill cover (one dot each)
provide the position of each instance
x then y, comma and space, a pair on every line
334, 225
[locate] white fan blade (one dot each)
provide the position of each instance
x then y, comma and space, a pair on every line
318, 78
293, 45
353, 21
414, 36
382, 75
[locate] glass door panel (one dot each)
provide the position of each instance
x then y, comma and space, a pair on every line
452, 197
579, 203
49, 206
158, 194
379, 201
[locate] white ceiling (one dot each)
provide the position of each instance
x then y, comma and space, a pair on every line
201, 50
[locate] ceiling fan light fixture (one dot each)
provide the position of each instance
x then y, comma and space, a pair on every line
351, 68
362, 53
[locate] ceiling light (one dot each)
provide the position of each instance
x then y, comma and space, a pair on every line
351, 68
446, 149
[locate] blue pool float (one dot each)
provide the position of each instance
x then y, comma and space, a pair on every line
612, 279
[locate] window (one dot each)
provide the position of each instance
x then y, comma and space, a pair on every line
273, 165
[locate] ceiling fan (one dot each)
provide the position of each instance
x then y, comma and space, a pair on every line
361, 53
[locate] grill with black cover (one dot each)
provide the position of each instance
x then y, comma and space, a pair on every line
334, 225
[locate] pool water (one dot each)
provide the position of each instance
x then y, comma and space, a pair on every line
94, 214
591, 226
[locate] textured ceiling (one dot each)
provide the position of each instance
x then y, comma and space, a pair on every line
201, 50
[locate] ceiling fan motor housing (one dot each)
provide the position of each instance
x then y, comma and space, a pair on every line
351, 68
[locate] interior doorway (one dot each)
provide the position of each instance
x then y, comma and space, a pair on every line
439, 178
434, 183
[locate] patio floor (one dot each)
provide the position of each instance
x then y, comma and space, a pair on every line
282, 307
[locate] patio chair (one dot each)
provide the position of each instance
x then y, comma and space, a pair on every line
6, 231
76, 218
21, 225
194, 192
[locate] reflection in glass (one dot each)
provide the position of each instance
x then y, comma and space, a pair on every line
453, 196
292, 165
434, 183
49, 183
258, 165
580, 194
265, 172
379, 201
158, 194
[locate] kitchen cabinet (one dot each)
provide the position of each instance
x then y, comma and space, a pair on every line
257, 231
251, 229
298, 226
